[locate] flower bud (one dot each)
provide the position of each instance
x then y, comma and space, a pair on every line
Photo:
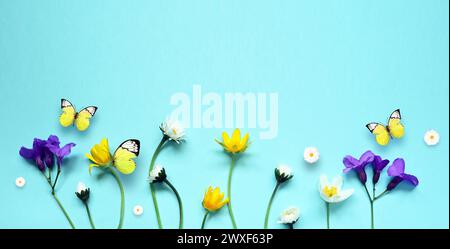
283, 173
158, 174
82, 192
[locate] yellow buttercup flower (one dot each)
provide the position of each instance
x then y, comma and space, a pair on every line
100, 155
235, 144
213, 199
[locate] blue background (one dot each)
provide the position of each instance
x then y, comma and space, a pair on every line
336, 65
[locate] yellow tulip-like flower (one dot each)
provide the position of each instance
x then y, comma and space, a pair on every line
213, 199
235, 144
100, 155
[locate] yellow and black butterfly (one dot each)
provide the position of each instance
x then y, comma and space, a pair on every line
71, 117
122, 159
394, 129
124, 154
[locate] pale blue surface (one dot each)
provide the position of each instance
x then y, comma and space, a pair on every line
335, 64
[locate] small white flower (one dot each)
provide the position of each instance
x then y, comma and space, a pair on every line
289, 215
333, 193
173, 129
285, 170
311, 155
157, 174
20, 182
81, 187
138, 210
431, 137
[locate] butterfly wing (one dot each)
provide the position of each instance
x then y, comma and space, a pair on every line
381, 133
82, 121
396, 128
124, 155
68, 113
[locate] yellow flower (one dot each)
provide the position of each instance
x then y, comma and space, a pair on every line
213, 199
100, 155
235, 144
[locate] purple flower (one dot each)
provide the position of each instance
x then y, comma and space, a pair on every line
44, 152
397, 170
378, 164
358, 166
41, 155
60, 153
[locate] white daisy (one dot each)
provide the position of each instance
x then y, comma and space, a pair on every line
285, 170
431, 137
138, 210
283, 173
158, 174
289, 215
20, 182
173, 129
81, 187
311, 155
333, 193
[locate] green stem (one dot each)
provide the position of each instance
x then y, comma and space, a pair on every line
89, 215
230, 174
381, 195
269, 206
56, 180
291, 225
371, 208
204, 219
328, 214
63, 210
57, 201
152, 188
180, 204
122, 198
48, 179
371, 215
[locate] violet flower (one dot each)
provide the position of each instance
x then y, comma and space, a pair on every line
60, 153
40, 153
43, 154
397, 170
378, 164
358, 166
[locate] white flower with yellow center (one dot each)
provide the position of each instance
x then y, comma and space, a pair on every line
431, 137
20, 182
333, 192
289, 215
138, 210
311, 155
173, 130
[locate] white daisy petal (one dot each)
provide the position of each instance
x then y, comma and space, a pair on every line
431, 137
20, 182
138, 210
